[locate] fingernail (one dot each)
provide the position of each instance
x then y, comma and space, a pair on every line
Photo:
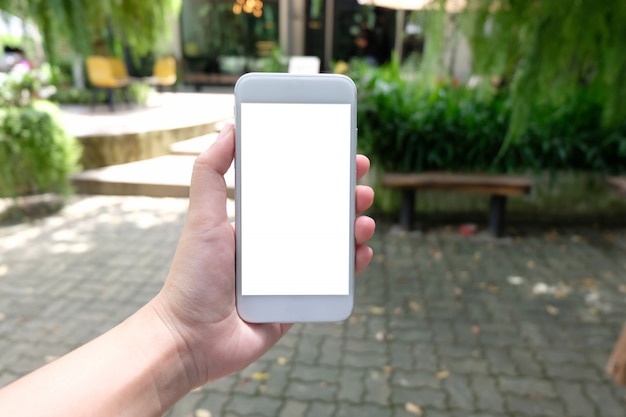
225, 131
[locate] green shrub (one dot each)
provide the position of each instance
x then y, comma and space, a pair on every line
407, 127
36, 153
138, 93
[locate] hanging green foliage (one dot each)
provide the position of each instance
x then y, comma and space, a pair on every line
545, 52
79, 24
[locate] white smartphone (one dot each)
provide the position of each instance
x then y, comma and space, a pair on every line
295, 176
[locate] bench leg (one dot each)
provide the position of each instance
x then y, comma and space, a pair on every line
407, 209
496, 215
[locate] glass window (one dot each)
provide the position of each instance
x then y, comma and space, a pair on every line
227, 35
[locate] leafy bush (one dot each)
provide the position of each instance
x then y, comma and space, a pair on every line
407, 127
137, 93
36, 154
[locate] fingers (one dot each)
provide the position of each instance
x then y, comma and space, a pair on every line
363, 257
364, 228
207, 193
362, 166
364, 198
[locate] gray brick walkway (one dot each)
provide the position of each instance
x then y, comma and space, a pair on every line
456, 326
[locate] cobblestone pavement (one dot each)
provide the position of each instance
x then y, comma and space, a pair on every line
445, 325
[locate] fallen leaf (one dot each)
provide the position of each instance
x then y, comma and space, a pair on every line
530, 264
281, 361
415, 306
551, 235
442, 374
475, 329
2, 316
540, 288
436, 253
413, 409
561, 293
494, 289
379, 311
515, 280
388, 369
589, 283
552, 310
260, 376
397, 311
622, 288
389, 337
201, 412
458, 292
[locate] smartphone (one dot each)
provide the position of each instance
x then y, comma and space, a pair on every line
295, 178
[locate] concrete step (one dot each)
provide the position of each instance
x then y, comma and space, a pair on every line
193, 146
163, 176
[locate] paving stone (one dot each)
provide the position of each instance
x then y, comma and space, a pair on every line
534, 407
369, 410
460, 396
466, 366
404, 378
351, 385
488, 397
606, 402
256, 406
294, 408
377, 389
422, 397
576, 402
527, 386
213, 401
573, 372
319, 409
311, 391
500, 361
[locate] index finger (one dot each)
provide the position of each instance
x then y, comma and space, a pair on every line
362, 166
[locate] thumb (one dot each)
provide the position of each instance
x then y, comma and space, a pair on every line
207, 193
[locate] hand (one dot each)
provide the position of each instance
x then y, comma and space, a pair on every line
197, 302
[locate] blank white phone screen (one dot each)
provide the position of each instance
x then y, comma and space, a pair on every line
295, 199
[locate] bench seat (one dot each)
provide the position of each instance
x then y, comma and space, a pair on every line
499, 187
618, 184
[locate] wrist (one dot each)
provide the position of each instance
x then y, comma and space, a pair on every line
180, 348
173, 369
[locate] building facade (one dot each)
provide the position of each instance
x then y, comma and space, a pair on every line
229, 37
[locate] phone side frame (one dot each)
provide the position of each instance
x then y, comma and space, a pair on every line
287, 88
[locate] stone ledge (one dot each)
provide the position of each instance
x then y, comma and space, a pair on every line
101, 151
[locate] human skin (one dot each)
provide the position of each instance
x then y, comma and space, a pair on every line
188, 335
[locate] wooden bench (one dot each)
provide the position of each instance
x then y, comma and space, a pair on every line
618, 184
198, 79
499, 187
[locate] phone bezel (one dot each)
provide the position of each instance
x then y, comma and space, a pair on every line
295, 88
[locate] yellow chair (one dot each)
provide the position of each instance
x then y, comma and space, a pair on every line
119, 69
101, 75
164, 72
